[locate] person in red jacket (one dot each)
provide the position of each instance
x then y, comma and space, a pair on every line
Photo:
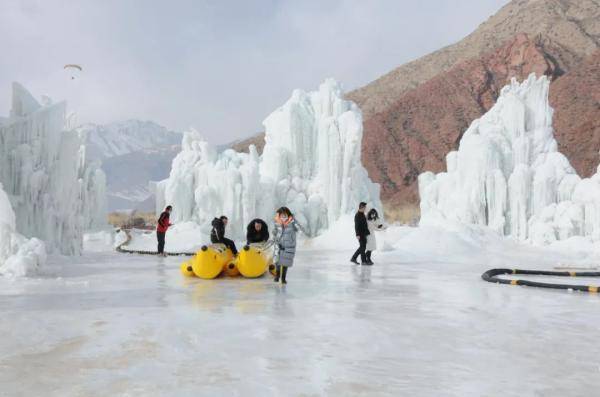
161, 229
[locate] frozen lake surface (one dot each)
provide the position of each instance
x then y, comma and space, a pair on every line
113, 324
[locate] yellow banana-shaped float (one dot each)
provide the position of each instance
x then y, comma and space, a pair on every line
209, 262
254, 260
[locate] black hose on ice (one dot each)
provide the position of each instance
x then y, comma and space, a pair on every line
492, 277
121, 248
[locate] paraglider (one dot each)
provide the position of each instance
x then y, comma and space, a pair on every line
72, 68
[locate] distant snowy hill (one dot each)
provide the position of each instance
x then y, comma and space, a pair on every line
133, 153
119, 138
128, 176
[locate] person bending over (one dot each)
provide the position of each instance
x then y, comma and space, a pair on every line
217, 235
257, 232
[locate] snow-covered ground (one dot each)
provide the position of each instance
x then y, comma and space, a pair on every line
420, 322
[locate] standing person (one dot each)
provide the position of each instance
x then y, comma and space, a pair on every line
217, 234
361, 230
284, 236
374, 223
257, 232
161, 229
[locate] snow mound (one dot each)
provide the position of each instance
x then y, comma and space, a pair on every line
311, 163
183, 237
55, 192
18, 255
509, 176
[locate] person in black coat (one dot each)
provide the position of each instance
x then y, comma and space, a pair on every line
361, 229
217, 234
257, 232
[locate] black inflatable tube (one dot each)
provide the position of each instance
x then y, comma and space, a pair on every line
492, 277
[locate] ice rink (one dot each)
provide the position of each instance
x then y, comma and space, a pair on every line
124, 325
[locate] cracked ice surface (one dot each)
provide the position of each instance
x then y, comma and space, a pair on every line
419, 322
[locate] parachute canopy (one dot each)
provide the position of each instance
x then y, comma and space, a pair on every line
73, 66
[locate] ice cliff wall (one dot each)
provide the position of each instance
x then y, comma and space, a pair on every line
54, 192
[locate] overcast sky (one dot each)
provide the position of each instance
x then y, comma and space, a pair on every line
219, 66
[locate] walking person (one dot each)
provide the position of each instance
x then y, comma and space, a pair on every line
374, 223
361, 229
284, 237
161, 229
217, 234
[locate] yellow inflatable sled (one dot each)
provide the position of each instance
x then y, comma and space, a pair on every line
186, 269
254, 260
210, 261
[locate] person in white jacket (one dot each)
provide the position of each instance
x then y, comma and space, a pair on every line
375, 224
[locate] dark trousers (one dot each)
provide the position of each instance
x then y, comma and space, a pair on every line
229, 244
361, 249
160, 236
280, 271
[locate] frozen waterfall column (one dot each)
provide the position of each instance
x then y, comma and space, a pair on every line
361, 229
161, 229
217, 234
285, 238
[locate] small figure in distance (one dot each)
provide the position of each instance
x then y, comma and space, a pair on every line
162, 226
375, 224
361, 229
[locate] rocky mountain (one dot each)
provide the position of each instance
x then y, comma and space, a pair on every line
128, 177
119, 138
421, 126
132, 153
416, 113
569, 29
575, 98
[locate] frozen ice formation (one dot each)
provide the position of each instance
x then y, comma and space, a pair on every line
18, 256
55, 193
311, 163
508, 175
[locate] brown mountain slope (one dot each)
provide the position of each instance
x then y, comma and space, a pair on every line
575, 98
570, 28
417, 131
415, 114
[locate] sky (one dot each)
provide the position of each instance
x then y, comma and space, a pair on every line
218, 66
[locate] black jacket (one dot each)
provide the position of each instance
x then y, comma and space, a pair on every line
252, 236
218, 231
360, 224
